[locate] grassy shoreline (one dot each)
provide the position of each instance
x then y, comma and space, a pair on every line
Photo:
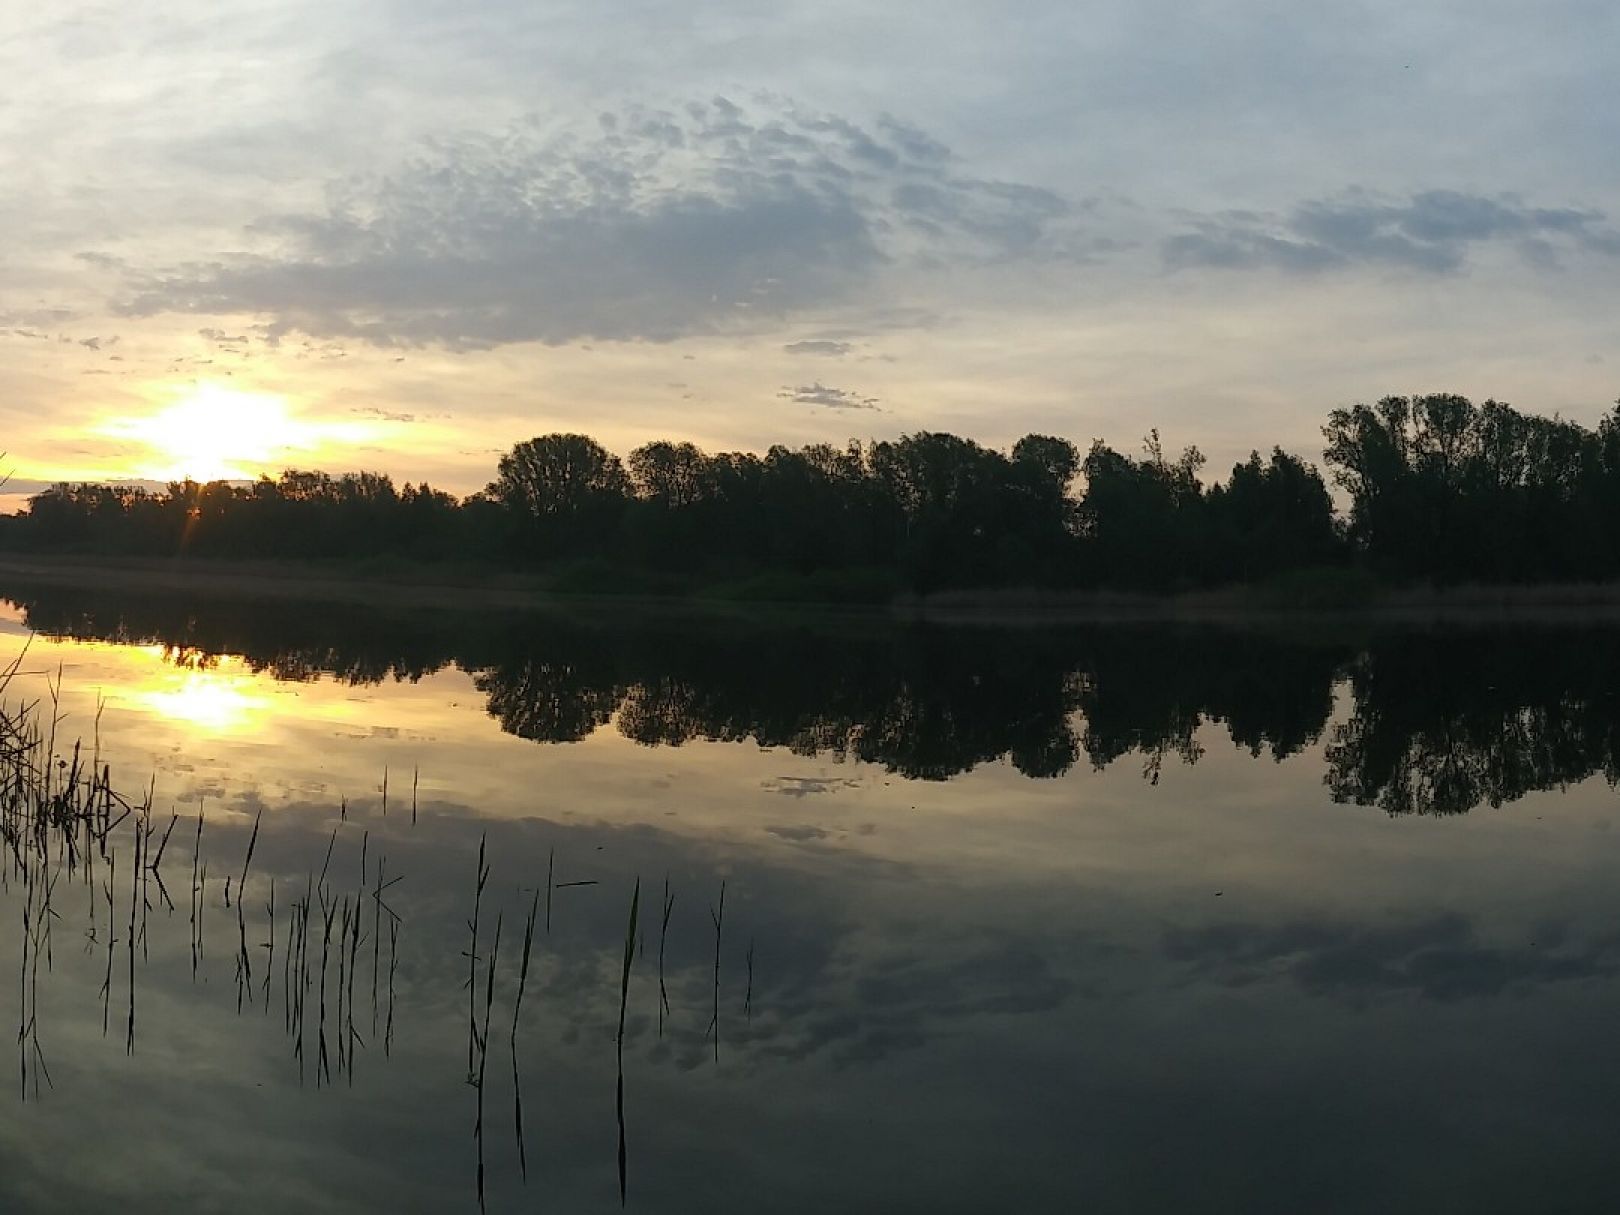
443, 586
426, 586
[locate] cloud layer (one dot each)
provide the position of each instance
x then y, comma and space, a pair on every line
1218, 219
1434, 231
663, 224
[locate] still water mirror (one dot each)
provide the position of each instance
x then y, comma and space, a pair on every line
348, 908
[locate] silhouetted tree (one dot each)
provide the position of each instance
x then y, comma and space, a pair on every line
1143, 519
1438, 488
1270, 517
1441, 488
561, 491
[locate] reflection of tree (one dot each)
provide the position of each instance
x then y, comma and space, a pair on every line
1149, 691
923, 702
190, 658
1442, 723
547, 701
1438, 723
290, 641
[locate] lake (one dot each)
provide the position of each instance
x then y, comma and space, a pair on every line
1287, 917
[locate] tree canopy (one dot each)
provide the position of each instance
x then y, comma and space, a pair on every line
1435, 487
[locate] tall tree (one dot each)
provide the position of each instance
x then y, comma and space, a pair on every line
561, 491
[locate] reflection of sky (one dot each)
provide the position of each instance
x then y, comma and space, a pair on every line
219, 700
1219, 992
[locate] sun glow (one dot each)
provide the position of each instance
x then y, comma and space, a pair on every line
215, 701
212, 432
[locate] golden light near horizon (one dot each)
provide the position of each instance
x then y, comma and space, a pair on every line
224, 700
214, 432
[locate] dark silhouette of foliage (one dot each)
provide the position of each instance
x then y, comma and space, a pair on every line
1443, 489
1434, 722
1271, 517
1444, 722
1437, 488
1143, 520
558, 491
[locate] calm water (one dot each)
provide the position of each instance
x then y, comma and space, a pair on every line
1109, 919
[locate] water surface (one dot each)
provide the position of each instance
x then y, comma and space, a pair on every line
1238, 918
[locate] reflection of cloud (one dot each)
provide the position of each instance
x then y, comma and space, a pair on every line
824, 989
1439, 958
899, 1003
1010, 980
808, 786
659, 225
803, 833
1433, 231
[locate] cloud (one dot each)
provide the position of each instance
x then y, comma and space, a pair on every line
1433, 232
828, 398
385, 415
822, 347
660, 224
34, 322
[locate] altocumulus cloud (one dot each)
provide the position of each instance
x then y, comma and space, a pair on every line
1433, 231
656, 225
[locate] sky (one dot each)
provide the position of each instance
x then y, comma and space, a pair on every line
403, 235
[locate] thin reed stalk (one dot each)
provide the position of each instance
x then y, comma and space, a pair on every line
624, 1000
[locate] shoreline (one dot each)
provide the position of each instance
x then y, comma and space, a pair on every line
293, 581
428, 587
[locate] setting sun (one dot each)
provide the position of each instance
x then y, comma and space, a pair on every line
215, 433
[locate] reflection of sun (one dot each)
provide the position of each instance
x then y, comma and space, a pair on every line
215, 433
213, 700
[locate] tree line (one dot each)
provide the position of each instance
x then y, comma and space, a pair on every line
1437, 488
